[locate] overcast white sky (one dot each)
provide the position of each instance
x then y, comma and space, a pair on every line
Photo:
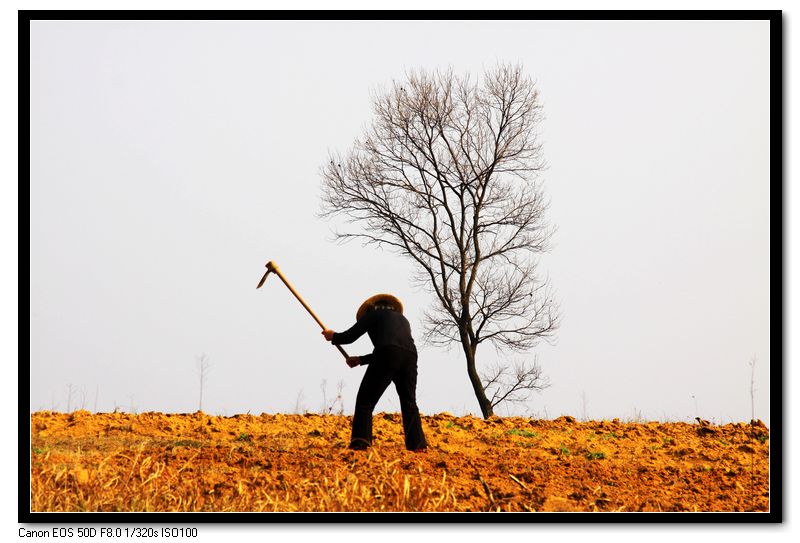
171, 160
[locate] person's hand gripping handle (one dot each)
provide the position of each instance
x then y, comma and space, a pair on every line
351, 361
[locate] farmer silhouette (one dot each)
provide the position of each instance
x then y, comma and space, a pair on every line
393, 360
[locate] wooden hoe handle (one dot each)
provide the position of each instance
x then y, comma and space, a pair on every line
272, 267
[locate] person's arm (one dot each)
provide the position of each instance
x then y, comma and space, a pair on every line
354, 361
353, 333
366, 359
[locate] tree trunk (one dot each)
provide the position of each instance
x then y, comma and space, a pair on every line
474, 378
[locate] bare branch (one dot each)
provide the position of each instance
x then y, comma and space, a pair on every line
514, 386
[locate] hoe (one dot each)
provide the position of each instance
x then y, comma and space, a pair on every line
271, 267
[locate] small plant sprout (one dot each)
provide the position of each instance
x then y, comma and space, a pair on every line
522, 433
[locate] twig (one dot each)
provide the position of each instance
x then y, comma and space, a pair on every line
520, 483
487, 490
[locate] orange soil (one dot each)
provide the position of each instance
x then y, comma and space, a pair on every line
194, 462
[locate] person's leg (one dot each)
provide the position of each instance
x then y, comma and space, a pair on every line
405, 381
376, 379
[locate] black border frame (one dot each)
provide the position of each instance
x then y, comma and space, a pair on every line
777, 161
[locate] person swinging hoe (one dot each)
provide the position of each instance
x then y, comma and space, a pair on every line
393, 360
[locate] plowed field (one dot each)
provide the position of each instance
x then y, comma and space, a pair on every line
196, 462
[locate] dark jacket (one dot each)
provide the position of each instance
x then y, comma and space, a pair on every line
384, 327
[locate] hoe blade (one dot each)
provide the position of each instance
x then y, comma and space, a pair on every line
262, 280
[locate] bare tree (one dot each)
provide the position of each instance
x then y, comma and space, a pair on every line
70, 393
203, 368
447, 175
83, 397
299, 407
753, 388
584, 411
328, 407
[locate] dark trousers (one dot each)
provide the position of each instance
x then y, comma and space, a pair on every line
391, 365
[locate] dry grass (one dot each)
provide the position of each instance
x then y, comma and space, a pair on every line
195, 462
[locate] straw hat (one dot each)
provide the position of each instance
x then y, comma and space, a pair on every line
382, 298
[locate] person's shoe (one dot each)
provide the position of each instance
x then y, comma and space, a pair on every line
359, 444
